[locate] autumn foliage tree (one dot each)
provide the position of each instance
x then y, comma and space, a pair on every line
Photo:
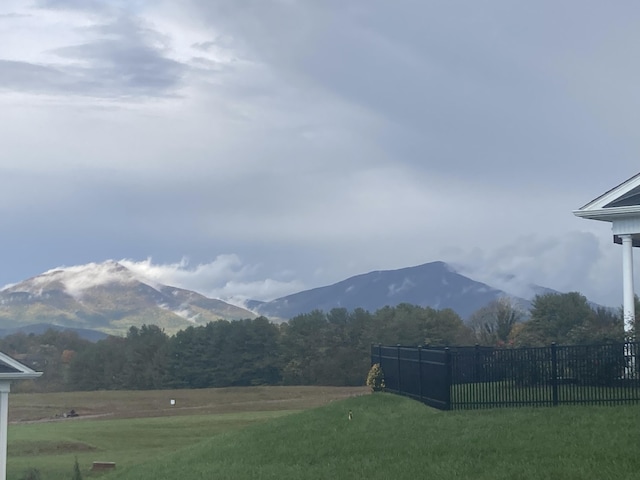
493, 324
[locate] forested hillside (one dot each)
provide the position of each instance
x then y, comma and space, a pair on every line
319, 348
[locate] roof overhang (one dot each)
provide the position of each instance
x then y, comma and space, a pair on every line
17, 371
608, 214
621, 203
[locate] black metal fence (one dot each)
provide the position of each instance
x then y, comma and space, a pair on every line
485, 377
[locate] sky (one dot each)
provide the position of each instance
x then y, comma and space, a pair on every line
256, 148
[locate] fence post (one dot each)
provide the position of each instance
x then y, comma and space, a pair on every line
398, 360
476, 364
447, 378
554, 373
420, 371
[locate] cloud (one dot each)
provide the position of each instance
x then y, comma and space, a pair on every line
125, 58
576, 261
325, 139
453, 91
227, 278
83, 5
32, 77
108, 53
76, 279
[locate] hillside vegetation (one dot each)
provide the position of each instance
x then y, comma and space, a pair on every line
318, 348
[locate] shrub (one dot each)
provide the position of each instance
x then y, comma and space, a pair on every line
375, 378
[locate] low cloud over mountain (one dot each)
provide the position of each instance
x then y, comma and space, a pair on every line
108, 297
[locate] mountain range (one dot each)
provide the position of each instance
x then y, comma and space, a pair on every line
109, 298
436, 285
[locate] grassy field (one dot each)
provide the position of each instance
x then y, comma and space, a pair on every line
395, 437
389, 437
132, 427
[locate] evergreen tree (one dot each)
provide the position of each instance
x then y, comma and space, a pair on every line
568, 319
76, 471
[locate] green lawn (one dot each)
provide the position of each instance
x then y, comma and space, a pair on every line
390, 437
130, 427
52, 447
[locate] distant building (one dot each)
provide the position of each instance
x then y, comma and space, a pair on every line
10, 370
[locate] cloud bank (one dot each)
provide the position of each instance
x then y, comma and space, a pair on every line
300, 143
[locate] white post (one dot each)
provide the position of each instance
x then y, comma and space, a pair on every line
628, 304
4, 424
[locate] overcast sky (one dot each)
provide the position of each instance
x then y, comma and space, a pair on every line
251, 149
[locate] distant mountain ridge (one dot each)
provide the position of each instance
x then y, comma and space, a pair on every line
40, 328
109, 298
436, 285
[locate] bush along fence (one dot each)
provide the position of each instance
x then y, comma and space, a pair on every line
452, 378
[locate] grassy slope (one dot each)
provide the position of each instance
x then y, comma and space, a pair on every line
52, 447
133, 426
396, 438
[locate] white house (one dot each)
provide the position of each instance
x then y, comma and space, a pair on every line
10, 370
621, 207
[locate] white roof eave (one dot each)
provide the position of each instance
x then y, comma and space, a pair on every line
608, 214
23, 372
19, 376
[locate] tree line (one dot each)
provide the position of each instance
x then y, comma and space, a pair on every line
317, 348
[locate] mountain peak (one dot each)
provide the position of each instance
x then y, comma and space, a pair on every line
75, 280
435, 284
109, 297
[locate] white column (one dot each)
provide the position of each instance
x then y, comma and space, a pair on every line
4, 424
628, 304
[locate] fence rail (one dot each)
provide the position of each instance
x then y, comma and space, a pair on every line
485, 377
